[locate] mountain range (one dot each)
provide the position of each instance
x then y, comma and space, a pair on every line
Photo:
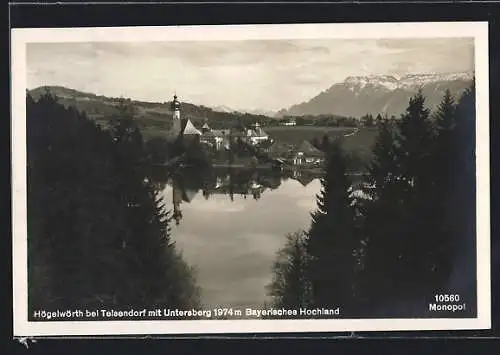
354, 97
384, 94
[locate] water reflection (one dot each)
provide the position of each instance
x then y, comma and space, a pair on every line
231, 223
233, 183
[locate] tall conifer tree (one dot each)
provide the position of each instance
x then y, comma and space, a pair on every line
290, 287
442, 246
418, 221
332, 236
461, 202
400, 223
381, 217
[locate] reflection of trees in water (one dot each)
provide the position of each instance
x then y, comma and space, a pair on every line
188, 182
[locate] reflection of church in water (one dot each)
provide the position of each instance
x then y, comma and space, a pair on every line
184, 191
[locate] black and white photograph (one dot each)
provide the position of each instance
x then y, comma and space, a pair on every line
250, 178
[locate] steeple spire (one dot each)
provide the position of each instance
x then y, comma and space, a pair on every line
176, 105
176, 115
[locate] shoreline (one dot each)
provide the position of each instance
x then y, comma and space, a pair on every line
266, 167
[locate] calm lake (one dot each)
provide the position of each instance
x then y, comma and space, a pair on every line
232, 242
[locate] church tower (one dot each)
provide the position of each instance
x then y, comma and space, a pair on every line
176, 116
176, 200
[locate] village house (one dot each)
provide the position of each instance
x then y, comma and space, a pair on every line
183, 129
236, 132
213, 138
306, 153
256, 134
288, 122
276, 149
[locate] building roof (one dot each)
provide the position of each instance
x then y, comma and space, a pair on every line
189, 194
208, 134
307, 148
305, 179
260, 132
205, 126
280, 147
190, 129
219, 132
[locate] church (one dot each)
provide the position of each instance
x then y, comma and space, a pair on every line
182, 128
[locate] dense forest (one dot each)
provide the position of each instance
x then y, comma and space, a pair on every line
98, 234
412, 236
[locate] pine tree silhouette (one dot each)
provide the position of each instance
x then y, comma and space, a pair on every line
97, 233
332, 236
290, 288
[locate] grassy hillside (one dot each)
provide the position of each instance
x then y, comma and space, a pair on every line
154, 117
353, 139
297, 134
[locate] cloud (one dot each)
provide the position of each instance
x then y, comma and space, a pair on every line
269, 74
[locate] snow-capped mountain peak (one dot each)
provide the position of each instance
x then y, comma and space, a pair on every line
413, 80
359, 82
393, 82
387, 94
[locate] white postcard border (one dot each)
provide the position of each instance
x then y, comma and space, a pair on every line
19, 39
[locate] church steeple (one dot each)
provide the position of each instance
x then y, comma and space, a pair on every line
176, 107
176, 200
176, 115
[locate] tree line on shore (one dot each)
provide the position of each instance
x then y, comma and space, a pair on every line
409, 239
98, 234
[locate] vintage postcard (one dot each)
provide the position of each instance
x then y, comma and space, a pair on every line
250, 179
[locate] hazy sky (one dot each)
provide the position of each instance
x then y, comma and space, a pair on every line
269, 75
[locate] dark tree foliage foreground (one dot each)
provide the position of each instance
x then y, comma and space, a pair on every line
331, 239
420, 224
98, 235
290, 288
414, 234
317, 267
